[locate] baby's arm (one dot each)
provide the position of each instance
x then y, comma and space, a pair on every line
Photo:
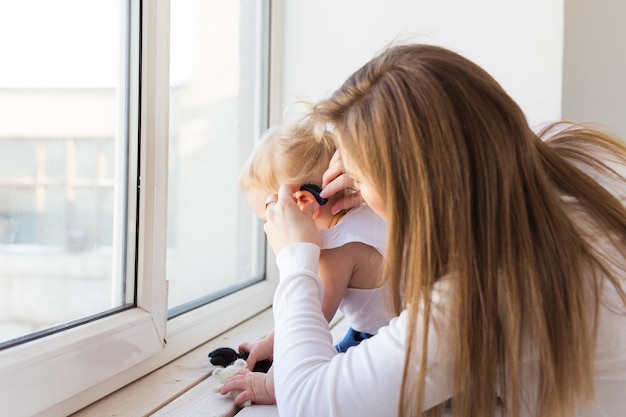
259, 350
335, 271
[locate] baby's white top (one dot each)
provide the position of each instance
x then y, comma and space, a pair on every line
365, 309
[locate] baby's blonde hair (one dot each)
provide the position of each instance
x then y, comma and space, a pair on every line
295, 153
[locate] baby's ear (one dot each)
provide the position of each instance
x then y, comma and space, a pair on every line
303, 199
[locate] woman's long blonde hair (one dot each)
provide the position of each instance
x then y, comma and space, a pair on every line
473, 193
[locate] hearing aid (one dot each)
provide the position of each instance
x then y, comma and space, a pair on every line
315, 192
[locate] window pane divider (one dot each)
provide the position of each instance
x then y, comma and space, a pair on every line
152, 239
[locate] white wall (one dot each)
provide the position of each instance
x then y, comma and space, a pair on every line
594, 73
519, 42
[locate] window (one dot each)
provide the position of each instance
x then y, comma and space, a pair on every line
123, 171
217, 109
63, 166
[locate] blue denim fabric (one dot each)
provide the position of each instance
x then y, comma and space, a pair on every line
352, 338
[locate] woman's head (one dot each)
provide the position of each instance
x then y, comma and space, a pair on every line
421, 121
296, 153
436, 136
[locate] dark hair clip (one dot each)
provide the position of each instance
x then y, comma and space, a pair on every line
315, 191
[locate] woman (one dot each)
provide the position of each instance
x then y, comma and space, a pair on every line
506, 253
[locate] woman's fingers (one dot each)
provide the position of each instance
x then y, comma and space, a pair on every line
287, 223
338, 184
347, 202
335, 169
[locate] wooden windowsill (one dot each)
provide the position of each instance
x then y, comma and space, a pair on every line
185, 387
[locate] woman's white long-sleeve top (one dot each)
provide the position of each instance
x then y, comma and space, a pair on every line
312, 379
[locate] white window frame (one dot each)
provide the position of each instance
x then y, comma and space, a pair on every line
64, 372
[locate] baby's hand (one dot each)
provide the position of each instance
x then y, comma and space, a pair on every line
256, 387
258, 351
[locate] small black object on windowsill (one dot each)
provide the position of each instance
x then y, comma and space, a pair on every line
226, 356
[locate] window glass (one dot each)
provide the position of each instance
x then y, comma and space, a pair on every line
62, 164
218, 52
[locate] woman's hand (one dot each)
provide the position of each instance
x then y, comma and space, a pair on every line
286, 223
336, 180
254, 386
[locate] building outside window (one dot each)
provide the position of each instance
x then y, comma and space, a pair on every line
63, 166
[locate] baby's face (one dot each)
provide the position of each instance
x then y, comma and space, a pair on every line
256, 199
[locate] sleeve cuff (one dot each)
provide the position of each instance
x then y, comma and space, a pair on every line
297, 258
